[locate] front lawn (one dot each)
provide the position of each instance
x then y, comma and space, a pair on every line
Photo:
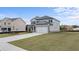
62, 41
11, 34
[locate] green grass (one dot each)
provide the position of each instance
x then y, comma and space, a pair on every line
11, 34
63, 41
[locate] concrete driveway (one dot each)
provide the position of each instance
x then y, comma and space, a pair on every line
18, 37
5, 46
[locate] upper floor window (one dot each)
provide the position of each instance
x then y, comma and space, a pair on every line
4, 23
33, 22
8, 23
50, 21
37, 21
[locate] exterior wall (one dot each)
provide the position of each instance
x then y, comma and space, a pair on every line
18, 25
68, 28
15, 25
55, 27
5, 24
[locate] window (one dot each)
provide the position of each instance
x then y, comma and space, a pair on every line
51, 21
37, 21
3, 28
33, 22
8, 23
4, 23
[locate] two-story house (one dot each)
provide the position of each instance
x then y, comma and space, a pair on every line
12, 24
45, 24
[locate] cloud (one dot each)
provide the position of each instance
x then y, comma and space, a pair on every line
74, 17
66, 11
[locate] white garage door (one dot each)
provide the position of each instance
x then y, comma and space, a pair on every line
42, 29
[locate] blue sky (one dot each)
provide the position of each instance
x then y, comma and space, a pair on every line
66, 15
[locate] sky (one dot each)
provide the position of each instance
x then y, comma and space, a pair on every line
66, 15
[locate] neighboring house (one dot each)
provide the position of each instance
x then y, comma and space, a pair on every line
12, 24
45, 24
76, 29
67, 27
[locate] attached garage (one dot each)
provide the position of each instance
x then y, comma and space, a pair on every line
42, 29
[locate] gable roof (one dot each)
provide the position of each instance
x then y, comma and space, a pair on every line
12, 19
44, 18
